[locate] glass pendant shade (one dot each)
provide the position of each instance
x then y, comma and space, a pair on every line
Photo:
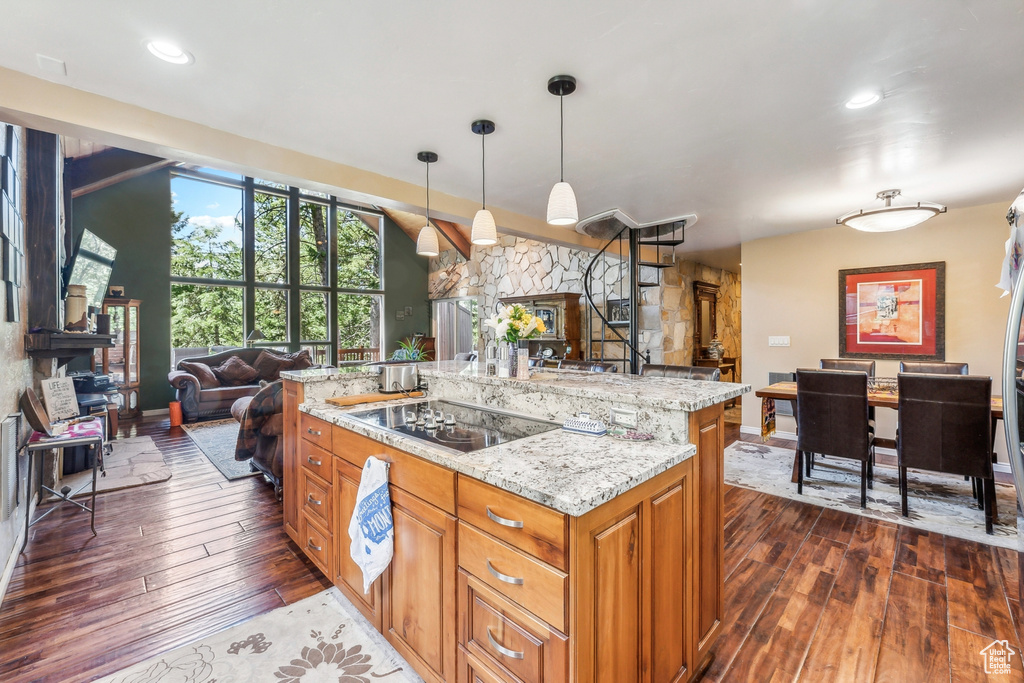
484, 233
890, 218
426, 243
562, 205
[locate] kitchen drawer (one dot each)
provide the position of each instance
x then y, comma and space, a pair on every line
316, 500
507, 639
531, 584
316, 543
529, 526
315, 459
472, 670
425, 480
315, 430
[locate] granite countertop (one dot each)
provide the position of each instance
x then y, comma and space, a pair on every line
572, 473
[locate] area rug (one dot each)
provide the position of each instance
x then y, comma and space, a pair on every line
938, 502
216, 439
321, 638
131, 462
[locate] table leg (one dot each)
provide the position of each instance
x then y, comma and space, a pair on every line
92, 505
28, 499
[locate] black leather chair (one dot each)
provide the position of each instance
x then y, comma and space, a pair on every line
682, 372
946, 426
852, 364
587, 366
470, 356
930, 367
832, 419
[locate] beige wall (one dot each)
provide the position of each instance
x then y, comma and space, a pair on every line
790, 288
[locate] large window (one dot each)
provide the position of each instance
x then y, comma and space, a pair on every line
303, 269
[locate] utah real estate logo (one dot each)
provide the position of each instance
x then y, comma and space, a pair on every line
997, 656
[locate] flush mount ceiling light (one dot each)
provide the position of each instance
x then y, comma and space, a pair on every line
426, 243
863, 99
484, 232
890, 218
169, 52
562, 200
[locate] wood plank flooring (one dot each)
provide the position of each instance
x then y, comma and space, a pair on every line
172, 562
811, 594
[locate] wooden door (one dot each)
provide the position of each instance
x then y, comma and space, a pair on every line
291, 471
348, 577
706, 433
419, 587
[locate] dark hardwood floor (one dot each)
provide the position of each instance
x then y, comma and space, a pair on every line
811, 594
172, 562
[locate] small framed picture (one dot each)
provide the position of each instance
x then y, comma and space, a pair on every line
617, 312
549, 316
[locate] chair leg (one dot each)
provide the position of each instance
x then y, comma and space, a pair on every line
871, 469
981, 493
990, 496
903, 491
864, 483
810, 463
799, 471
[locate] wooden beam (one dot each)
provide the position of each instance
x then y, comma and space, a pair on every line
455, 236
121, 177
42, 228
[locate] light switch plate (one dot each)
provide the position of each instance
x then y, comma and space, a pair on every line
778, 341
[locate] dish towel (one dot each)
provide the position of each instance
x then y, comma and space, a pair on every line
372, 530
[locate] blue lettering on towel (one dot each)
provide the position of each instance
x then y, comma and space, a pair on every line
374, 514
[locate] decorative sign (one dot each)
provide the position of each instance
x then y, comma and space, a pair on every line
59, 397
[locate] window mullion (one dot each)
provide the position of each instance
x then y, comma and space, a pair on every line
332, 280
292, 239
249, 251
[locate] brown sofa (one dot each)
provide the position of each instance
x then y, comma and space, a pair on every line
214, 399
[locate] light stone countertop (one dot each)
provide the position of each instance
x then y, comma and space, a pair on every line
572, 473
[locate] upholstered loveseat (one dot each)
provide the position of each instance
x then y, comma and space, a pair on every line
207, 386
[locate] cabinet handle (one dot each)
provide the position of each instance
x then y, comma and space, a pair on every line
311, 461
313, 500
503, 577
310, 430
318, 548
502, 521
503, 650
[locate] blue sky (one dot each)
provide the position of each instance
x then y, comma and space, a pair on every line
208, 204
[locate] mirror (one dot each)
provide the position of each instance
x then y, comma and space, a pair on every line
705, 327
705, 322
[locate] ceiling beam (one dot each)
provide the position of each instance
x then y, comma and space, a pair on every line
455, 236
120, 177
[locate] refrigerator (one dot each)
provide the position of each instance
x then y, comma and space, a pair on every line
1013, 365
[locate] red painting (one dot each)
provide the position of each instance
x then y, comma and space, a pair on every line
893, 312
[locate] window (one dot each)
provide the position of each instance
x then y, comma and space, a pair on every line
243, 258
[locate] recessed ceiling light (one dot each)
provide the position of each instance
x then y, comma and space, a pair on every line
169, 52
864, 99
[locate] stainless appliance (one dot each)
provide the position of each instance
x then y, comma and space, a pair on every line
398, 377
460, 426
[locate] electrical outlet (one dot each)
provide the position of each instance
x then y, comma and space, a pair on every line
624, 417
778, 341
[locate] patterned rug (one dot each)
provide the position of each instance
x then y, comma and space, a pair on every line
938, 502
321, 638
131, 462
216, 439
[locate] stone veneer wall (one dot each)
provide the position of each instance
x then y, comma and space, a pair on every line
521, 267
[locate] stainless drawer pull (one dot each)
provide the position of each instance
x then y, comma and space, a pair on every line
503, 650
502, 521
503, 577
318, 548
311, 461
310, 430
313, 500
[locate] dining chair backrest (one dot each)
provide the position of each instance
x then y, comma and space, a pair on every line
469, 355
682, 372
931, 367
853, 364
587, 366
832, 413
945, 423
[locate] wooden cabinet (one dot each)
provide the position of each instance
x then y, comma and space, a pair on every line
707, 432
348, 577
121, 363
292, 397
562, 310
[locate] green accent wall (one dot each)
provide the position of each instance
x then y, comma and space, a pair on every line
135, 218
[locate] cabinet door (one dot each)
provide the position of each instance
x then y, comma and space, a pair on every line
707, 434
419, 587
348, 577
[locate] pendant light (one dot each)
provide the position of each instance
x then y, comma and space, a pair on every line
484, 232
426, 243
890, 218
562, 200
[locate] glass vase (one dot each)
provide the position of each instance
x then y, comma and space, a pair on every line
513, 359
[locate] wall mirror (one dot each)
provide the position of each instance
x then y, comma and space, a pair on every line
705, 310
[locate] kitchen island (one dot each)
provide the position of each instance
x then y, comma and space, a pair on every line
547, 556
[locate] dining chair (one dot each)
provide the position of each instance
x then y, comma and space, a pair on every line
832, 419
852, 364
707, 374
946, 426
931, 367
587, 366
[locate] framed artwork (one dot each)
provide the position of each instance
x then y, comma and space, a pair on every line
549, 315
893, 312
617, 312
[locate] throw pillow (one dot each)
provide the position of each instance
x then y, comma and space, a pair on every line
202, 372
269, 363
235, 372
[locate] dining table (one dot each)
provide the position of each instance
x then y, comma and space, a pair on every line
881, 394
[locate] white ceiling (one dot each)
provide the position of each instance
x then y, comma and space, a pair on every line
730, 109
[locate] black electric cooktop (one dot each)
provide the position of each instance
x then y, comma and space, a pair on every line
460, 426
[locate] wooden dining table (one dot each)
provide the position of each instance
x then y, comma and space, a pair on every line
879, 398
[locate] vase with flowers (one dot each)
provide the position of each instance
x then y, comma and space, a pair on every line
513, 324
